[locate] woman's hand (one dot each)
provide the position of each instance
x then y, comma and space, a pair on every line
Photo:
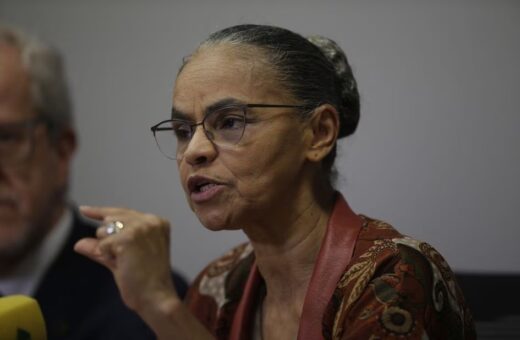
137, 255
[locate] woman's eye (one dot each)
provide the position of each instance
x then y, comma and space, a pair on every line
182, 131
229, 122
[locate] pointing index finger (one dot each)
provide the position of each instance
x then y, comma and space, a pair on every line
98, 213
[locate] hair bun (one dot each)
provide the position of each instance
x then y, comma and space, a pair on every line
346, 84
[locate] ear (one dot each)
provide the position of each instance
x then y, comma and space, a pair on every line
65, 147
66, 144
324, 128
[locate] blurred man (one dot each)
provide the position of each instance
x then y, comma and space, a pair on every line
38, 228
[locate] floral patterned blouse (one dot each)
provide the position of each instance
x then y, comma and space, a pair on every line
394, 287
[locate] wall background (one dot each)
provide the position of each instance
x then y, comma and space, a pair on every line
436, 153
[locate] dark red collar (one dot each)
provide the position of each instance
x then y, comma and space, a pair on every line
334, 256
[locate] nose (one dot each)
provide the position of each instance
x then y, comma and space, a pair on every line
200, 149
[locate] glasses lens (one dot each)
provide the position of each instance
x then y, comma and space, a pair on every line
167, 136
226, 126
15, 143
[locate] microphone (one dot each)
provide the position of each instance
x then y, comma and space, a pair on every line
21, 319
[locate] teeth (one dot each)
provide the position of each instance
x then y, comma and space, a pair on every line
206, 187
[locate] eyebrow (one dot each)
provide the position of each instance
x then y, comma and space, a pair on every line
178, 114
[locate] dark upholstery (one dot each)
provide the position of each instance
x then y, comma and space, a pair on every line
494, 302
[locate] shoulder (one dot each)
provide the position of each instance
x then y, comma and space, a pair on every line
381, 245
231, 269
399, 286
219, 286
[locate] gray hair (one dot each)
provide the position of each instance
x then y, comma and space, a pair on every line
44, 65
315, 70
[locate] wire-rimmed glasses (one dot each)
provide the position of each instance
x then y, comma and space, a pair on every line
17, 140
224, 126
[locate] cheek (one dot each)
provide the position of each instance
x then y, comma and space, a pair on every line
23, 185
183, 170
265, 167
15, 218
31, 187
39, 182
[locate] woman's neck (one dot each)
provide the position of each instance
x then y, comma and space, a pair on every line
286, 249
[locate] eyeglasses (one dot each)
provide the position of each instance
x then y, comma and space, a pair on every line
17, 140
224, 127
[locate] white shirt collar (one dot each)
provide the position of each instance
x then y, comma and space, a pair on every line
27, 276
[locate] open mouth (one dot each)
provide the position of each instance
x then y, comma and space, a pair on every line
204, 187
199, 184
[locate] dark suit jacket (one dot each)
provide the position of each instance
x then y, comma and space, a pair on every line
80, 300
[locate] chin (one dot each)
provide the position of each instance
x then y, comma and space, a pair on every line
215, 220
14, 241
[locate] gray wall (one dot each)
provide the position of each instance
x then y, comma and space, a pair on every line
436, 153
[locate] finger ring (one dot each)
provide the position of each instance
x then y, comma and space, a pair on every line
114, 227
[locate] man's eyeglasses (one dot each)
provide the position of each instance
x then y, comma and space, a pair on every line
224, 126
17, 140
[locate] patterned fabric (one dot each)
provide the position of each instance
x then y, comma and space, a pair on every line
394, 287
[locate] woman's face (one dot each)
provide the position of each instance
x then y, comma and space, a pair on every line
252, 181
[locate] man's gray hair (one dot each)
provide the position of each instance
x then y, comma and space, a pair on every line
44, 65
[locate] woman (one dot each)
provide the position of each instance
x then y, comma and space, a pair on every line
256, 115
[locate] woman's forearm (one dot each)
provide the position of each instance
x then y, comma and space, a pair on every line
171, 319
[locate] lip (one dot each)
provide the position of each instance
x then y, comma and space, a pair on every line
212, 188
